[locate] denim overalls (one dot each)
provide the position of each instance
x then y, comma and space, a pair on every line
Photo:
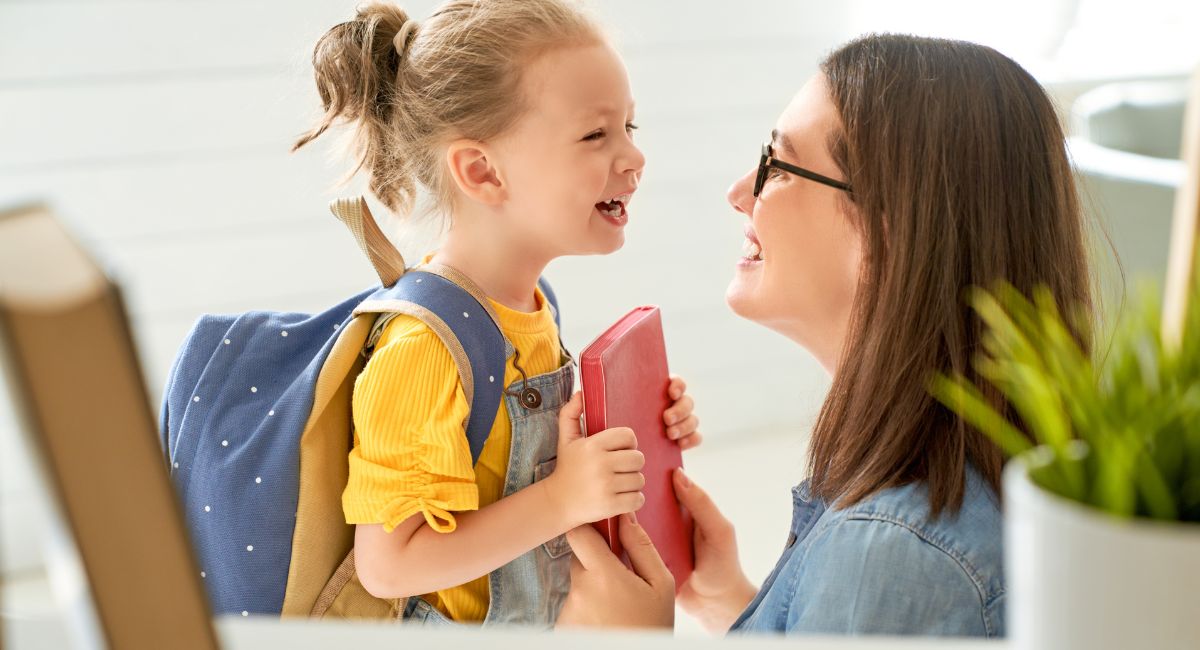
530, 589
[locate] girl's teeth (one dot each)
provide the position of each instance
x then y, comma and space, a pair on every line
614, 211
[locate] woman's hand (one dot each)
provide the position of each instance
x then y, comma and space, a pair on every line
682, 424
718, 590
604, 593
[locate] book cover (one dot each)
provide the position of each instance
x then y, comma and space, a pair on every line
625, 381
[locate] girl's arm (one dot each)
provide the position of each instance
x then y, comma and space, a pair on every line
415, 559
595, 478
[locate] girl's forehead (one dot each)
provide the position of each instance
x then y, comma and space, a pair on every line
584, 82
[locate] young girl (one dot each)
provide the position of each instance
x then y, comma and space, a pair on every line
516, 116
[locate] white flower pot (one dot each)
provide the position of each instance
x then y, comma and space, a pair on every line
1078, 578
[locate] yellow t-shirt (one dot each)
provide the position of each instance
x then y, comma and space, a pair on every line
410, 450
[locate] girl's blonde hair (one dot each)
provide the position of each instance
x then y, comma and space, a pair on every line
408, 88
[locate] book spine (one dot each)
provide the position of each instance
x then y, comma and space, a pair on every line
595, 420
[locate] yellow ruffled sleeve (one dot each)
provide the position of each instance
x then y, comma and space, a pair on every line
410, 453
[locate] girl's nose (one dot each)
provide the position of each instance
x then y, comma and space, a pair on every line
632, 160
741, 193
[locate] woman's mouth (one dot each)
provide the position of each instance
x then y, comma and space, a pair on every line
613, 209
751, 248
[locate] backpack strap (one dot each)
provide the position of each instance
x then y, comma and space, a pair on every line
463, 319
548, 291
387, 261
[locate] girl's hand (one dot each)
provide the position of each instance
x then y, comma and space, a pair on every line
596, 477
718, 590
606, 594
682, 424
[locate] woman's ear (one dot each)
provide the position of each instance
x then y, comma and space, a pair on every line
474, 172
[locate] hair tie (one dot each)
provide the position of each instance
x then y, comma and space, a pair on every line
400, 42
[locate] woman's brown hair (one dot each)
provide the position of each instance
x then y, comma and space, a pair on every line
456, 75
961, 178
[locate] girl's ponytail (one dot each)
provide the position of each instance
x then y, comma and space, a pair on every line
357, 67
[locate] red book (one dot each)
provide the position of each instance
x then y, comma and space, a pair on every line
625, 382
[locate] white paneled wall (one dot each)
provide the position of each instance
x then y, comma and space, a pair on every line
160, 130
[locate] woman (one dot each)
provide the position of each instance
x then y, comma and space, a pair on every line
907, 170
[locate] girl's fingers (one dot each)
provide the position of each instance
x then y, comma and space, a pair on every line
629, 482
679, 411
677, 387
627, 460
684, 429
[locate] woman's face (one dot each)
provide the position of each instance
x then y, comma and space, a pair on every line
802, 283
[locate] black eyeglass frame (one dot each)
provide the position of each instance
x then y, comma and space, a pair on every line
768, 160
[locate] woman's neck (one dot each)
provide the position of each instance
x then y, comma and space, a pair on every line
504, 272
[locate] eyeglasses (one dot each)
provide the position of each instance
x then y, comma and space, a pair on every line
769, 160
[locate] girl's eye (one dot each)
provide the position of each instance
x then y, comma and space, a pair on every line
599, 134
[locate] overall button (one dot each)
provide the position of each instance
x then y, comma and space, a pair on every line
531, 398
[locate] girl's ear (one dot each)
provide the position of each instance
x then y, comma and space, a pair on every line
474, 172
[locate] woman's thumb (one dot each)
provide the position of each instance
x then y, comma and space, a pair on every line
704, 512
644, 557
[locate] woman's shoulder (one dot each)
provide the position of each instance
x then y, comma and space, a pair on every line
970, 539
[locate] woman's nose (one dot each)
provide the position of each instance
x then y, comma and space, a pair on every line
741, 193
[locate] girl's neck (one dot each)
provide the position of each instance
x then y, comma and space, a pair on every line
503, 272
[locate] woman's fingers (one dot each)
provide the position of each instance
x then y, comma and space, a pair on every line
705, 514
590, 549
645, 559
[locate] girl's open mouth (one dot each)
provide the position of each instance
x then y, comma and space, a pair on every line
614, 210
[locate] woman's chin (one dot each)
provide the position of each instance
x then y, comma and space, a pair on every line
740, 296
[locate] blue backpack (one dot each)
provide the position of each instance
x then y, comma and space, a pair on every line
256, 425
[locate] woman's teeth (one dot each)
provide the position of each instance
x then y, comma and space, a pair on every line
752, 250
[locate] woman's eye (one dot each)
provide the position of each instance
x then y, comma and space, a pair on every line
630, 127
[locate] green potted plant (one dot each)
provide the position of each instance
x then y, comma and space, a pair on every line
1102, 499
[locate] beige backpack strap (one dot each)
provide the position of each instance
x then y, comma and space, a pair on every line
337, 582
388, 262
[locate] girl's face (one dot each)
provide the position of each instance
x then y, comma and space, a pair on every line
570, 164
803, 253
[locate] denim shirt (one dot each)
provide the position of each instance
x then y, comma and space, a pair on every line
882, 567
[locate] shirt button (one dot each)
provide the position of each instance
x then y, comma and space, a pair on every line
791, 540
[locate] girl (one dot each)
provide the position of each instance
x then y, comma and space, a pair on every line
517, 118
